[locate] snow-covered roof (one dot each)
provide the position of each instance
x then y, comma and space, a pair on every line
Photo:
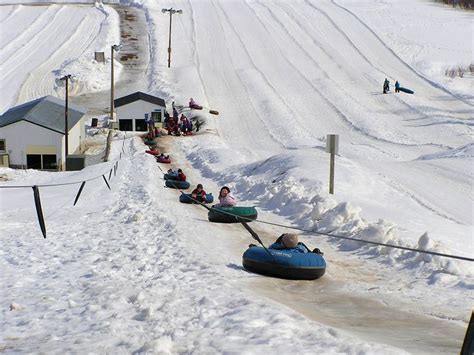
47, 112
136, 96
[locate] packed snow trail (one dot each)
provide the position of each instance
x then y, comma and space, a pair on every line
120, 267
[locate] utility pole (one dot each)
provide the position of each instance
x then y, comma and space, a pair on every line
171, 11
66, 78
115, 47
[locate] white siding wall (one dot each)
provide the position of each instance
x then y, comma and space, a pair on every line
136, 110
20, 134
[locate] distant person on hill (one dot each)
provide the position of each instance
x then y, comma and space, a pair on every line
181, 176
199, 194
225, 198
386, 86
397, 86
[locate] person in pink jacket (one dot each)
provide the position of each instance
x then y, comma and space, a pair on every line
225, 198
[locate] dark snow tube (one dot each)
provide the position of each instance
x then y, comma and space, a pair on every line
186, 198
227, 215
177, 184
150, 142
163, 160
285, 264
408, 91
170, 177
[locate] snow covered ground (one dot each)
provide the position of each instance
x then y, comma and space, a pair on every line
133, 270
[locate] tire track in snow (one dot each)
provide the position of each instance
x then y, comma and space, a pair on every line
421, 114
31, 33
413, 70
290, 112
329, 103
41, 80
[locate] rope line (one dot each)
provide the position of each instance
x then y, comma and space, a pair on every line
61, 184
342, 237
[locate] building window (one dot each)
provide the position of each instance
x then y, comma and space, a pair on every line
156, 116
3, 146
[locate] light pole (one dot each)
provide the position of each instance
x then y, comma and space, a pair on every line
66, 79
115, 47
171, 11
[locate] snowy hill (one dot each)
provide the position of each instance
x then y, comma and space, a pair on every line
132, 270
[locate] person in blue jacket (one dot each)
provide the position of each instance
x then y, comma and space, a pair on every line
289, 241
397, 86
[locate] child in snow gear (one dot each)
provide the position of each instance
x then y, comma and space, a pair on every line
225, 198
181, 176
199, 194
386, 86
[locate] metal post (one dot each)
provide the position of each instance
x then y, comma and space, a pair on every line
171, 11
59, 81
66, 126
116, 48
331, 171
169, 41
111, 82
332, 146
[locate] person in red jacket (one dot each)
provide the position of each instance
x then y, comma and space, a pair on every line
181, 176
199, 194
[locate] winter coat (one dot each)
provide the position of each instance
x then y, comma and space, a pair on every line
280, 246
227, 201
200, 195
181, 177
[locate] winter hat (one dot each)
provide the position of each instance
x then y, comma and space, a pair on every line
290, 240
199, 186
225, 188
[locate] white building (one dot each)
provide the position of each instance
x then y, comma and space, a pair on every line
133, 110
32, 134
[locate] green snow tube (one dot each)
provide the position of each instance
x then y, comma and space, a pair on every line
229, 214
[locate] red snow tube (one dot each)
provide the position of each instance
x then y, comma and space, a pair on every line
153, 152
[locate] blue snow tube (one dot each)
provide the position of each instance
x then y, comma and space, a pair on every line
182, 185
408, 91
295, 264
186, 198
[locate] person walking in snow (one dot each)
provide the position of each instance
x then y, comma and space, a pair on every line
397, 86
225, 198
386, 86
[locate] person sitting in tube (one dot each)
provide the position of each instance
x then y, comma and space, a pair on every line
290, 241
181, 176
225, 198
199, 194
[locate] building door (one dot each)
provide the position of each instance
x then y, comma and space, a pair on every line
41, 161
140, 126
33, 161
125, 125
49, 162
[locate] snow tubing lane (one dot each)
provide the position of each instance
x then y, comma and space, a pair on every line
408, 91
186, 198
285, 264
248, 214
177, 184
